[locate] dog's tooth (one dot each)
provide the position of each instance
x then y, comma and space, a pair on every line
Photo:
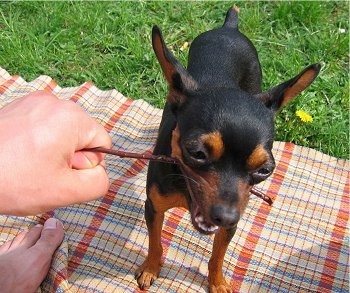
203, 227
200, 219
213, 228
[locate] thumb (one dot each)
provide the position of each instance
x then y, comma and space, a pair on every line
86, 159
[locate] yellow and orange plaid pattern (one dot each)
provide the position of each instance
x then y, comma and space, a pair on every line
300, 244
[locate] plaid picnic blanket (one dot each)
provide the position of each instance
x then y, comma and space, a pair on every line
299, 244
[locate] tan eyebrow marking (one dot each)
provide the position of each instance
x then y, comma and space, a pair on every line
213, 141
258, 157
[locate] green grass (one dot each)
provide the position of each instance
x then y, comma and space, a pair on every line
109, 44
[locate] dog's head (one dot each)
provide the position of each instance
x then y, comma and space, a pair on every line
223, 138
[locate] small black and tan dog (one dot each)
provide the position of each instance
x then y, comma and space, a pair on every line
220, 127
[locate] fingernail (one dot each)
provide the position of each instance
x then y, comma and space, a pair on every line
50, 223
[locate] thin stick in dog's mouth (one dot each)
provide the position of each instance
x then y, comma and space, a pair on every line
161, 159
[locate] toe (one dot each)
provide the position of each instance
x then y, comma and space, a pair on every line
51, 236
23, 240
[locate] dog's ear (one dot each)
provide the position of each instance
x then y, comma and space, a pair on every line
178, 78
278, 96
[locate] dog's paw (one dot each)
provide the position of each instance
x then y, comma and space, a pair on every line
146, 274
145, 280
224, 288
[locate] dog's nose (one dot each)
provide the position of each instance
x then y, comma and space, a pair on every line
224, 216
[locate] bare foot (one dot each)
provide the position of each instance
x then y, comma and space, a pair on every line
25, 260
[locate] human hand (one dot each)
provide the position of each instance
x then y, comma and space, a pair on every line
42, 164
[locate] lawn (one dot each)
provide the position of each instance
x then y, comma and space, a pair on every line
109, 44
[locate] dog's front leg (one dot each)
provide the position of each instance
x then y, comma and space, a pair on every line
149, 270
217, 282
155, 207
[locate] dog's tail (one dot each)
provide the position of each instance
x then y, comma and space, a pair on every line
231, 19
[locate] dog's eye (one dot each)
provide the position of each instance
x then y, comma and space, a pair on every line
195, 153
264, 172
261, 174
198, 155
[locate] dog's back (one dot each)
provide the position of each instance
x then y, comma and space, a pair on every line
240, 67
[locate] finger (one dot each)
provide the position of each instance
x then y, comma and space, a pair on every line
92, 134
88, 133
73, 187
96, 137
94, 182
85, 185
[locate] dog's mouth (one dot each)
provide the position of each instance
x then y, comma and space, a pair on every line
199, 221
199, 218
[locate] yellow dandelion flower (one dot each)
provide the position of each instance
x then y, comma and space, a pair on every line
304, 116
184, 46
